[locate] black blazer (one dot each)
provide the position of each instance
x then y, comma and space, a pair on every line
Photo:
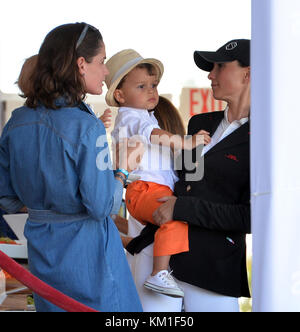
217, 209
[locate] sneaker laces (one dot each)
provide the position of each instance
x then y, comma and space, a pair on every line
168, 279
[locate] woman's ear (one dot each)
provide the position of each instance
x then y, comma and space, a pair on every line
119, 96
248, 73
81, 65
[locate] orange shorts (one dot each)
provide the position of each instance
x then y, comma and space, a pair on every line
141, 201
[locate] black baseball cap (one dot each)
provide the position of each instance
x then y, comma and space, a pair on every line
237, 49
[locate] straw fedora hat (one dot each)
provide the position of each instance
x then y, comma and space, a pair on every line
120, 65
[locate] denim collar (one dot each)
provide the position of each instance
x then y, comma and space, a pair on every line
62, 102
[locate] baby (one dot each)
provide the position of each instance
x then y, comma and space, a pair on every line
132, 85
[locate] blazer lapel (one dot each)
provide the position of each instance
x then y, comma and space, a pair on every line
215, 125
239, 136
209, 123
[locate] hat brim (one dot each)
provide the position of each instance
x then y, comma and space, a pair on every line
109, 98
206, 60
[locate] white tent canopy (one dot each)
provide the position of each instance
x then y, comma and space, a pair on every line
275, 155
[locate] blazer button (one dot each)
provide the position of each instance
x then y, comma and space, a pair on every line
188, 188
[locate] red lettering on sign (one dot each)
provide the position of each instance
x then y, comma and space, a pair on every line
202, 101
192, 101
204, 94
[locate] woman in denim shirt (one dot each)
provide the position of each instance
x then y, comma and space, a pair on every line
54, 159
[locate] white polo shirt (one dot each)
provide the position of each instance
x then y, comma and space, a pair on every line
157, 164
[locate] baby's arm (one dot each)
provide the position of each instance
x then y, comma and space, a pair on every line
176, 142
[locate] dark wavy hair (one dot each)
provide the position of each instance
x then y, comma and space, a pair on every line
57, 73
168, 117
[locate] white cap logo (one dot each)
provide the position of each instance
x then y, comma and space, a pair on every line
231, 46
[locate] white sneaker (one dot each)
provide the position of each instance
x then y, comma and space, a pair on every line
164, 283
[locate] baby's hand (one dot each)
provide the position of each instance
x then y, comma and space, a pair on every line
206, 137
202, 137
106, 118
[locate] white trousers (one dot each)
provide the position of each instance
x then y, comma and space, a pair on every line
141, 267
195, 299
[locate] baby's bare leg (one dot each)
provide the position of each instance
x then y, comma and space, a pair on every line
160, 263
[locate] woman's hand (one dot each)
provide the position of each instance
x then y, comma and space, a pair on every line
165, 212
128, 154
106, 118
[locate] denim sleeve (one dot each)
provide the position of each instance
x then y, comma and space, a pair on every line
96, 178
118, 195
6, 188
10, 204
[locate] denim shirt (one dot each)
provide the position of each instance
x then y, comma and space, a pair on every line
48, 161
59, 160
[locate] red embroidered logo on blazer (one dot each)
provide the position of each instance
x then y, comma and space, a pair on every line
232, 157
